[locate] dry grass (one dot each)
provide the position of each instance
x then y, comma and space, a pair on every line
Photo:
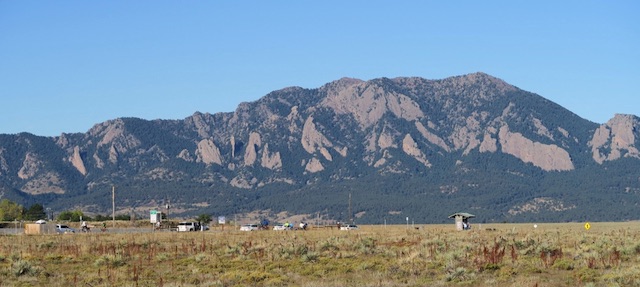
433, 255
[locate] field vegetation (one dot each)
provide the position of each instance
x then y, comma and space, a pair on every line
608, 254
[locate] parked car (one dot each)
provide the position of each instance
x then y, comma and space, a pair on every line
249, 227
349, 227
188, 226
61, 228
282, 227
41, 221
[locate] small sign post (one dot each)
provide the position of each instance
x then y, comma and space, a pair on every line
153, 216
222, 220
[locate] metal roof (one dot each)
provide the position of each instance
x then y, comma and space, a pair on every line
463, 214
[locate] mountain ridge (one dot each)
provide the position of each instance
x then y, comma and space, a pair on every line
436, 140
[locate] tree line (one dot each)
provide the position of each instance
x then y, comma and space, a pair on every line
11, 211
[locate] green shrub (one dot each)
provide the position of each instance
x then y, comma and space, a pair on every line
456, 275
162, 257
563, 264
506, 272
110, 261
328, 246
24, 268
47, 245
310, 257
200, 257
491, 267
586, 275
366, 245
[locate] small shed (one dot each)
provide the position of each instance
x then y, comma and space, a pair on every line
462, 220
40, 228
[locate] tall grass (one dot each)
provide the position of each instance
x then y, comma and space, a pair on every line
497, 255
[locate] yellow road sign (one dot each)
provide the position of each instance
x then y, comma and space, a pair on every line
587, 226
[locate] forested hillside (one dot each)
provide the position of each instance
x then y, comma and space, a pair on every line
402, 147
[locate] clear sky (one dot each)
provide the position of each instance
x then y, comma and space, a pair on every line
67, 65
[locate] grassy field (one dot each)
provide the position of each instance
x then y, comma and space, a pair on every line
608, 254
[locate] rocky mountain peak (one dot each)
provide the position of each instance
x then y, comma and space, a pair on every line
342, 83
425, 143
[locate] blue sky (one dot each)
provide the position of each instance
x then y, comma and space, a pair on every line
67, 65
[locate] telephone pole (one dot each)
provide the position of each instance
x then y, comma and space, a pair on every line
350, 212
113, 204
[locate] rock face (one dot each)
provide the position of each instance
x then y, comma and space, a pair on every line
30, 166
76, 161
410, 147
437, 142
616, 138
208, 152
313, 141
431, 137
251, 153
546, 157
4, 167
271, 160
313, 166
368, 102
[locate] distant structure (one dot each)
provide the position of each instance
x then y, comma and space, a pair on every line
462, 220
47, 228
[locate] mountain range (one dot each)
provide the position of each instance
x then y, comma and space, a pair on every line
383, 150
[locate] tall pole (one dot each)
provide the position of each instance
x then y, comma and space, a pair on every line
350, 214
113, 204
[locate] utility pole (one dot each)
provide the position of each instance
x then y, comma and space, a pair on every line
113, 204
168, 205
350, 213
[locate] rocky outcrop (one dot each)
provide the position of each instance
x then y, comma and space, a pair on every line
465, 138
200, 123
368, 103
270, 160
113, 154
541, 129
185, 155
615, 139
342, 151
371, 142
4, 167
541, 204
385, 141
410, 147
98, 161
242, 182
251, 152
30, 166
77, 162
292, 118
312, 140
49, 182
208, 153
431, 137
113, 135
314, 165
489, 144
545, 156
